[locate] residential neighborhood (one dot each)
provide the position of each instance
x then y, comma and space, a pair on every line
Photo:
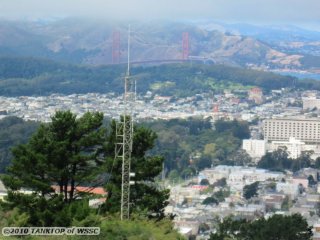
219, 192
280, 119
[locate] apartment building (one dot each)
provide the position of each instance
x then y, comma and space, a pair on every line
311, 103
282, 129
255, 148
294, 147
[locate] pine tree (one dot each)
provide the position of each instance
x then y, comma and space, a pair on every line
61, 153
73, 151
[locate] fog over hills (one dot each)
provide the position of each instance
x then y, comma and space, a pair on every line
287, 38
90, 42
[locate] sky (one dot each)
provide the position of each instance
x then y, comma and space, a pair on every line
301, 12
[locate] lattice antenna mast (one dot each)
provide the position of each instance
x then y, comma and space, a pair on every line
125, 138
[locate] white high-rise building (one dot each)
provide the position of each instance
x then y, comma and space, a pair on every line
294, 147
255, 148
282, 129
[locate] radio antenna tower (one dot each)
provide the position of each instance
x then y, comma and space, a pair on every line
124, 136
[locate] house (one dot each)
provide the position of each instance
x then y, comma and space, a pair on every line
316, 231
80, 189
237, 177
250, 211
290, 189
313, 199
273, 200
98, 191
303, 181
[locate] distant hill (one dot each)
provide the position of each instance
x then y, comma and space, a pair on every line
288, 39
30, 76
90, 42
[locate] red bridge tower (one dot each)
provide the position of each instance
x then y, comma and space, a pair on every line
185, 45
116, 47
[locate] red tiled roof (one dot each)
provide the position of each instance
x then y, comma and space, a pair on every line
96, 190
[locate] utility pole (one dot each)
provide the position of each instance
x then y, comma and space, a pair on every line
125, 138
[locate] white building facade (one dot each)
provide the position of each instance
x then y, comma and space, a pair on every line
310, 102
237, 177
282, 129
294, 147
255, 148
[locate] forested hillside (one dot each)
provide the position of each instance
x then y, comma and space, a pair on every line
29, 76
194, 144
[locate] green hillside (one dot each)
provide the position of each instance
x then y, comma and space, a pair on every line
30, 76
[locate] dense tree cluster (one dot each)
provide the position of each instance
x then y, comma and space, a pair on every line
30, 76
70, 152
186, 145
237, 128
275, 227
279, 161
13, 131
250, 190
194, 144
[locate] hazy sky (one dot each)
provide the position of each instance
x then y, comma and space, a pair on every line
255, 11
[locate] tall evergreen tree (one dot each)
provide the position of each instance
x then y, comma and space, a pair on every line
61, 153
73, 151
